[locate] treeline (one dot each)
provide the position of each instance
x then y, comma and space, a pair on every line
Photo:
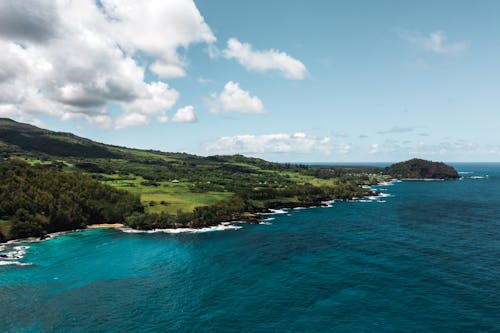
35, 200
244, 205
222, 211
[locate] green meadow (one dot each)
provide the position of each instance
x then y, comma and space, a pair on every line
165, 196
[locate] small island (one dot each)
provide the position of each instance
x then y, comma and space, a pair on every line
422, 169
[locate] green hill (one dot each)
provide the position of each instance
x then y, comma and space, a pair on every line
175, 189
421, 169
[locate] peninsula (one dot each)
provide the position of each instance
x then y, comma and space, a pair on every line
52, 181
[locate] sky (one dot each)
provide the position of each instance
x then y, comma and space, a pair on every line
288, 81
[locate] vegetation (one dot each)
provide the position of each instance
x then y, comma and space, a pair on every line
35, 200
102, 183
422, 169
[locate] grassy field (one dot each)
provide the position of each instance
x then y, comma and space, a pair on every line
168, 197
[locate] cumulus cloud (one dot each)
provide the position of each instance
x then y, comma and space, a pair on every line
72, 59
422, 148
158, 28
28, 20
185, 115
234, 99
264, 61
374, 148
131, 119
436, 42
396, 129
273, 143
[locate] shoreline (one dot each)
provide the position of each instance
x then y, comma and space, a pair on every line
106, 226
256, 218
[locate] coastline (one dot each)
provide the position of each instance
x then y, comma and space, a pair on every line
106, 226
259, 217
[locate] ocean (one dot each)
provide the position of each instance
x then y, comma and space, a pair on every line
425, 257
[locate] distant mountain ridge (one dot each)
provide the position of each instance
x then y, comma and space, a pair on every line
21, 138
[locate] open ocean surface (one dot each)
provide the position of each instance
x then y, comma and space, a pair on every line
425, 260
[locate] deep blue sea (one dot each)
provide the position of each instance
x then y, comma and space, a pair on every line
424, 258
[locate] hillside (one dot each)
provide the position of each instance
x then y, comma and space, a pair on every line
178, 189
421, 169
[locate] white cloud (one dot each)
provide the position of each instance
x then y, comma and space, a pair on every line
397, 129
72, 59
131, 119
158, 28
162, 118
273, 143
235, 99
404, 148
436, 42
263, 61
374, 148
185, 115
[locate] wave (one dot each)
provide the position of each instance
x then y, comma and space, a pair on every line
10, 256
328, 204
465, 172
221, 227
389, 183
478, 177
14, 263
423, 179
277, 211
18, 253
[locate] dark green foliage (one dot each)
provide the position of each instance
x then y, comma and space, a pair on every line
30, 138
420, 169
59, 199
41, 199
90, 167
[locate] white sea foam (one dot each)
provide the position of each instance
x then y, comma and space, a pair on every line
220, 227
382, 201
269, 219
11, 257
465, 172
478, 177
13, 263
277, 211
328, 204
423, 179
388, 183
265, 223
299, 208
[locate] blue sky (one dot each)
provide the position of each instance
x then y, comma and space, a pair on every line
287, 81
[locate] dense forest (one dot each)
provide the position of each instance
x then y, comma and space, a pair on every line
35, 200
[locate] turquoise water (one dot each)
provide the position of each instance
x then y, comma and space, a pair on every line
426, 259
